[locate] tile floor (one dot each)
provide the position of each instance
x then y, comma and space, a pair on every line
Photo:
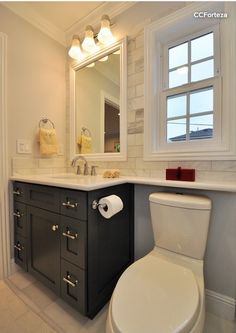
26, 306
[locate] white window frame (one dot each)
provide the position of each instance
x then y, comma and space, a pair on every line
159, 36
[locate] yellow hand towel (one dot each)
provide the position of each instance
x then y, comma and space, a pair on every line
85, 143
48, 141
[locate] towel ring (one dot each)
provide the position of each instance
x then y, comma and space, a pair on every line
84, 130
45, 121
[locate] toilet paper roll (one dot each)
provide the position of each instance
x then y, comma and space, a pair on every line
110, 205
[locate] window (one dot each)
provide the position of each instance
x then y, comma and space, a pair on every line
189, 105
189, 112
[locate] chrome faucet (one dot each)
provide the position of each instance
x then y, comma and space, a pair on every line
86, 169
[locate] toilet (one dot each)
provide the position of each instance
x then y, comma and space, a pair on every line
163, 292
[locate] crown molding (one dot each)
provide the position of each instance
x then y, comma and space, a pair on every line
31, 16
112, 9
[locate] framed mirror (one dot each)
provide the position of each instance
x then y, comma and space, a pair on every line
98, 105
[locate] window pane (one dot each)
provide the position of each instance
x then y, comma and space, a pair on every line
178, 77
176, 106
202, 47
178, 55
201, 127
176, 130
202, 70
201, 101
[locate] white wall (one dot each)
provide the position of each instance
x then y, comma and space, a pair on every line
36, 81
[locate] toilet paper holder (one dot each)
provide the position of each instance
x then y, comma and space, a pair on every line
96, 204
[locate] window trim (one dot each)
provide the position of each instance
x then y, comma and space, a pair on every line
174, 27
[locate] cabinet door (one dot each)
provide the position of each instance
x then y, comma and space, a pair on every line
73, 240
44, 246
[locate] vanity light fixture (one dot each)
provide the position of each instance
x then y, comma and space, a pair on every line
105, 35
89, 44
75, 51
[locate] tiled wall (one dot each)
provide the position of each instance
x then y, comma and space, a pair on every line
134, 166
34, 166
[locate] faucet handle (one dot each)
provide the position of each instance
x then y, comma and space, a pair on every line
78, 172
93, 170
86, 169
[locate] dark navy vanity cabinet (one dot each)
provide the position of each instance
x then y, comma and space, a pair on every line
67, 245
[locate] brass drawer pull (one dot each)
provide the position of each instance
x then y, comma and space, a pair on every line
18, 214
17, 192
67, 280
70, 205
18, 247
69, 235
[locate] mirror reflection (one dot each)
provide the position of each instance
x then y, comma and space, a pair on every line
97, 105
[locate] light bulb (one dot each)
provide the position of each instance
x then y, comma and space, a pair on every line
117, 52
91, 65
103, 59
89, 43
105, 35
75, 51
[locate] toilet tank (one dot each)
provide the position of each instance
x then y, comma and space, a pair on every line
180, 222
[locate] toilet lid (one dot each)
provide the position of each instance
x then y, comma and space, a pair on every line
155, 296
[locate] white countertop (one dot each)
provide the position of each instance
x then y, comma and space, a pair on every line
89, 183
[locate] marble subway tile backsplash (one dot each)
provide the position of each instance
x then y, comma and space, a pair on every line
29, 166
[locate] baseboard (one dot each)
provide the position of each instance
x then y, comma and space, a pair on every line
220, 305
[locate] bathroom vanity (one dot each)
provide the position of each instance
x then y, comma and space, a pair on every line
69, 246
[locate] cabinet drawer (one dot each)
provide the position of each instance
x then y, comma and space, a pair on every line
19, 214
73, 241
44, 197
73, 286
20, 251
74, 204
19, 191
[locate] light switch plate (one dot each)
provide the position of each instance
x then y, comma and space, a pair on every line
23, 146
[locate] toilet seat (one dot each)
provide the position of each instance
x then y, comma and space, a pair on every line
155, 296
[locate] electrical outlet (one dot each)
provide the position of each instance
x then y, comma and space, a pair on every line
23, 146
